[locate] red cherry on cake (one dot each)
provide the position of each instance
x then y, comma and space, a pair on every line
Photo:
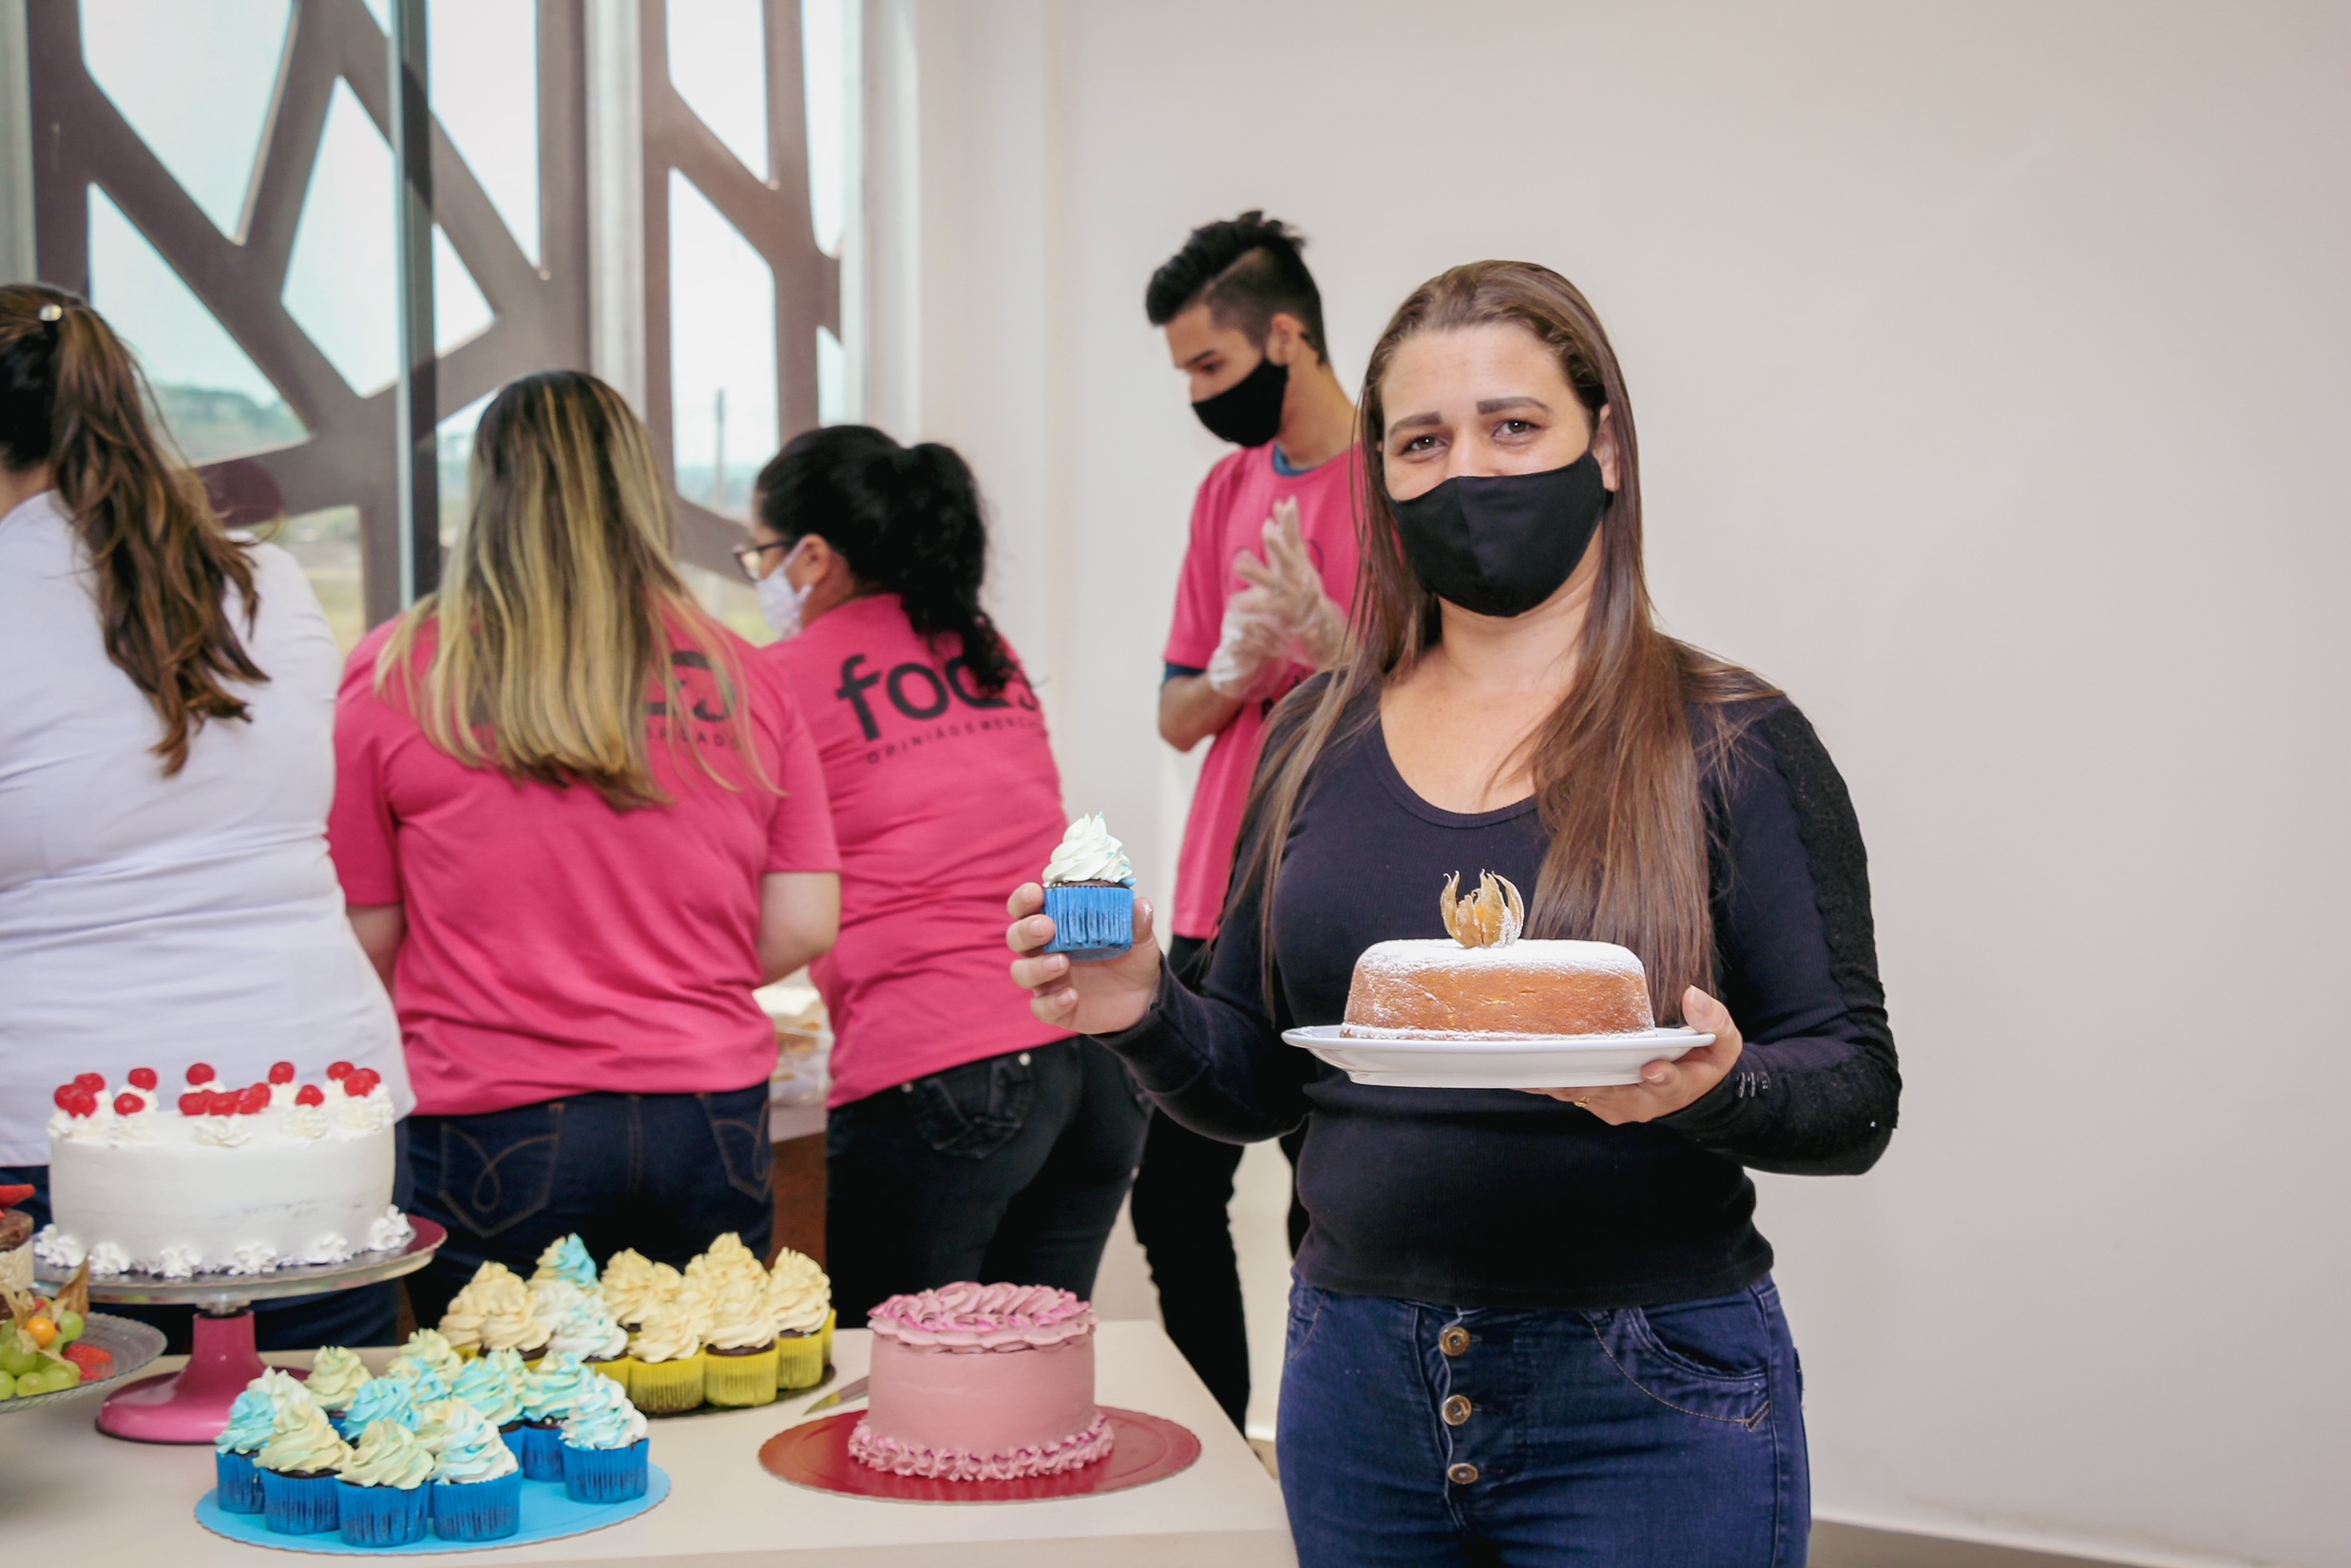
92, 1081
195, 1103
339, 1070
310, 1094
201, 1073
129, 1105
143, 1078
254, 1101
63, 1097
224, 1103
362, 1082
83, 1103
281, 1072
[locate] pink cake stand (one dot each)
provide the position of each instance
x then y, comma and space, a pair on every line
191, 1405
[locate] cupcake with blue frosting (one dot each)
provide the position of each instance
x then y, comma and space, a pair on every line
427, 1348
560, 1386
605, 1449
590, 1334
381, 1496
267, 1403
492, 1383
1090, 894
477, 1484
392, 1399
300, 1466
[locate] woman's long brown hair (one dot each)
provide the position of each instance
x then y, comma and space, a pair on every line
161, 565
562, 607
1616, 767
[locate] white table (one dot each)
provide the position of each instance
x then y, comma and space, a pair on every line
71, 1496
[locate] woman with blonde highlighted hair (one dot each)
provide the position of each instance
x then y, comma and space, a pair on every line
578, 824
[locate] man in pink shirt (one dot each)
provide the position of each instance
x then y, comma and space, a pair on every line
1260, 605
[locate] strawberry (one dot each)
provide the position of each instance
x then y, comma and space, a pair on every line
362, 1082
281, 1072
201, 1073
13, 1194
310, 1094
129, 1105
195, 1103
339, 1069
143, 1078
253, 1100
94, 1362
92, 1081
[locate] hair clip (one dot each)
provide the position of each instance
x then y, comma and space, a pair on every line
52, 312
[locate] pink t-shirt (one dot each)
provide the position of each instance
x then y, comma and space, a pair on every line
944, 801
1228, 517
556, 946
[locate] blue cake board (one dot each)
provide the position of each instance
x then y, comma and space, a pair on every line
547, 1515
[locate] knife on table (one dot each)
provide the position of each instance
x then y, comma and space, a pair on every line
846, 1391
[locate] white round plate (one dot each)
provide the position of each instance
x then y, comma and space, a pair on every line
1556, 1062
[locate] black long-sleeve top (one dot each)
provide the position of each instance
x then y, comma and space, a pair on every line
1479, 1198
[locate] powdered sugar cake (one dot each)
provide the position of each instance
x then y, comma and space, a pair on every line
1485, 983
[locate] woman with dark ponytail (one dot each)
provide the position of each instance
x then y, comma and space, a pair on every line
967, 1140
167, 764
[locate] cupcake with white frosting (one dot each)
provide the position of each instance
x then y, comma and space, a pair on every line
1090, 894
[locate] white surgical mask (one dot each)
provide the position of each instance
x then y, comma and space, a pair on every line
780, 600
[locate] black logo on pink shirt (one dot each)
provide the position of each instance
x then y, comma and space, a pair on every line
920, 691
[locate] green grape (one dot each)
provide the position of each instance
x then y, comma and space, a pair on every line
70, 1324
19, 1354
7, 1385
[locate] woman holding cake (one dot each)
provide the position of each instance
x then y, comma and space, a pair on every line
1542, 1323
966, 1139
165, 767
578, 824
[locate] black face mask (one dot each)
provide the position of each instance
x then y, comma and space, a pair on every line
1503, 543
1249, 413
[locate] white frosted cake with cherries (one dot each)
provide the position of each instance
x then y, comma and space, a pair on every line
221, 1179
981, 1383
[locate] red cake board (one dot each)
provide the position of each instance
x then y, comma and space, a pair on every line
815, 1454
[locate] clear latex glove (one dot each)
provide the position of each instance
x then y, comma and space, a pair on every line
1314, 625
1254, 641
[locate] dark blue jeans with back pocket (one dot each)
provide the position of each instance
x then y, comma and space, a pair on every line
664, 1173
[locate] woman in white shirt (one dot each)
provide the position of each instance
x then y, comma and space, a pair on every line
166, 762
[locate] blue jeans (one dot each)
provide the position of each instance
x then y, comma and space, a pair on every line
369, 1316
1011, 1168
664, 1173
1659, 1437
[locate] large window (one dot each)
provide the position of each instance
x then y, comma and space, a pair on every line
219, 176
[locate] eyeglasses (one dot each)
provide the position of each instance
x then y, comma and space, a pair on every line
746, 556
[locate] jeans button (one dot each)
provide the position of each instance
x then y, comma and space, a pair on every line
1461, 1475
1456, 1410
1454, 1340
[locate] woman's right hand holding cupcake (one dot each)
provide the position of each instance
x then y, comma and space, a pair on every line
1092, 999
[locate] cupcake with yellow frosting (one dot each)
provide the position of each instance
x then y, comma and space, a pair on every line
427, 1348
631, 1284
588, 1333
299, 1466
668, 1350
380, 1492
799, 1302
461, 1320
336, 1375
740, 1349
477, 1483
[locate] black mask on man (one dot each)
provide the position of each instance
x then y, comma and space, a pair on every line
1249, 413
1502, 544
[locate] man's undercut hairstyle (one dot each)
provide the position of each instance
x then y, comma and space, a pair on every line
1244, 269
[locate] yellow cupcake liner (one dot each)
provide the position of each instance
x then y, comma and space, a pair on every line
620, 1369
665, 1387
827, 1335
799, 1363
739, 1381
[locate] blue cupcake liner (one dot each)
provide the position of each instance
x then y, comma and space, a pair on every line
478, 1510
383, 1516
540, 1453
239, 1482
1090, 924
300, 1505
606, 1475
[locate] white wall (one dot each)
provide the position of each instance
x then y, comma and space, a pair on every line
1992, 364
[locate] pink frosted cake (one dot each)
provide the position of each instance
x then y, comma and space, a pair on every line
981, 1383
